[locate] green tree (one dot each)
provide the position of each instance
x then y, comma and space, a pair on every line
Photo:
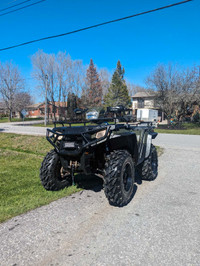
118, 91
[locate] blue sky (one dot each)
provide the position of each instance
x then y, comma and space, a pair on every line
171, 35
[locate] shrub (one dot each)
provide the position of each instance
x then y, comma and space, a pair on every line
196, 117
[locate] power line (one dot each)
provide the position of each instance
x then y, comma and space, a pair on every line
17, 9
1, 10
94, 26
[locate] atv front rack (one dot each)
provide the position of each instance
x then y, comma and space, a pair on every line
58, 133
101, 120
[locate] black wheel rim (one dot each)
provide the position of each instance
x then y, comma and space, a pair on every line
127, 177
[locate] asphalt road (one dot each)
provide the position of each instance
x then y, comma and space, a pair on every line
160, 226
23, 128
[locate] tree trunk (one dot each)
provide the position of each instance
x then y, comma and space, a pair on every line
59, 107
10, 116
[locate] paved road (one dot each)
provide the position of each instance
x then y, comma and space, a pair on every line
23, 128
160, 226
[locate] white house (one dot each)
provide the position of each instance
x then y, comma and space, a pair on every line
146, 100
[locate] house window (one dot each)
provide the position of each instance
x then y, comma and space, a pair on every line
140, 103
32, 112
42, 111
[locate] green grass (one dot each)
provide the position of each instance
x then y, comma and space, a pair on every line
23, 143
20, 187
184, 131
5, 119
190, 129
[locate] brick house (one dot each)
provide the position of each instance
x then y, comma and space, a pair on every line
38, 110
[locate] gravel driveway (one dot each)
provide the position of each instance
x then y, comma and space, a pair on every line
160, 226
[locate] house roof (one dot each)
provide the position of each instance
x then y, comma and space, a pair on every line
38, 105
34, 106
144, 94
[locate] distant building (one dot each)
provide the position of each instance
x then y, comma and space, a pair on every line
146, 100
38, 110
143, 99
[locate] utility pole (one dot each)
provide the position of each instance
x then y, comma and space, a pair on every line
46, 83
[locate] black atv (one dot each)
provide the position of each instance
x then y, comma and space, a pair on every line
109, 149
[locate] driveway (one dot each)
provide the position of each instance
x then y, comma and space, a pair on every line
160, 226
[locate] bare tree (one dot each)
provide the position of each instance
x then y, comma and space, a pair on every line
64, 75
79, 77
39, 62
45, 65
60, 68
105, 78
21, 101
188, 92
11, 83
134, 88
68, 77
52, 80
177, 89
71, 76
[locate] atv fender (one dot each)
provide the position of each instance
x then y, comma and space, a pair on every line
150, 136
125, 142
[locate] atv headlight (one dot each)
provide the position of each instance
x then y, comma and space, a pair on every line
59, 137
100, 134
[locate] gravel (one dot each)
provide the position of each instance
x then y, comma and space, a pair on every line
160, 226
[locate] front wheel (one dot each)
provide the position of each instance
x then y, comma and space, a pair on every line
52, 175
119, 178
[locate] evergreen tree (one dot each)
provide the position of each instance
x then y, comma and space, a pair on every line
118, 91
94, 86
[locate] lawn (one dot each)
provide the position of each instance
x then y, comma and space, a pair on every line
184, 131
20, 187
189, 129
5, 119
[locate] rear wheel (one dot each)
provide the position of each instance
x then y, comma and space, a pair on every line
119, 178
52, 175
149, 168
